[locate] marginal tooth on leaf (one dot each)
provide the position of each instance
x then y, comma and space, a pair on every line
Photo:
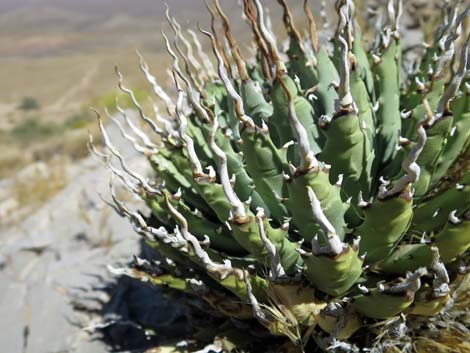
453, 218
324, 121
436, 212
197, 213
211, 172
403, 141
228, 133
459, 186
430, 71
312, 97
285, 224
363, 258
264, 127
248, 201
315, 244
197, 285
363, 289
424, 239
297, 82
177, 196
452, 131
376, 107
333, 85
292, 169
303, 253
361, 202
206, 242
339, 182
285, 177
288, 144
384, 181
279, 197
406, 114
356, 242
420, 84
232, 179
377, 59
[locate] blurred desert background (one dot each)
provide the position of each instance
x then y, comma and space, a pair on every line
57, 60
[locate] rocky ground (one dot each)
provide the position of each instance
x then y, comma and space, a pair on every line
54, 278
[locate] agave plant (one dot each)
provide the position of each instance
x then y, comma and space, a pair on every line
312, 189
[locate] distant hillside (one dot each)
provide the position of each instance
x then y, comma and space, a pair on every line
140, 8
47, 47
137, 7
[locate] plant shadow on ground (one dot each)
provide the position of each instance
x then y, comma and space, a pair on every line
132, 316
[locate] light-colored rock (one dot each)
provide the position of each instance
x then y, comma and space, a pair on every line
58, 251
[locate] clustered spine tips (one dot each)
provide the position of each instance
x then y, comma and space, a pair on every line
268, 189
